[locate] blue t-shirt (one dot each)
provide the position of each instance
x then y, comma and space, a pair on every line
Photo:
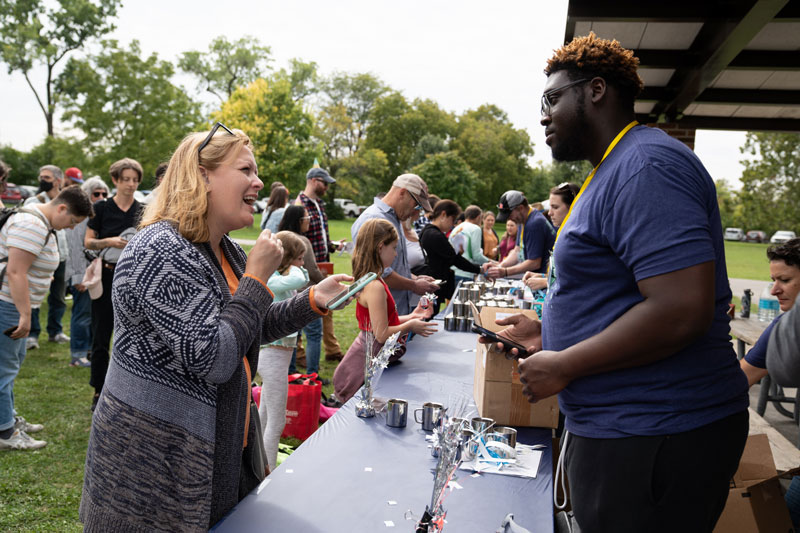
757, 356
651, 209
538, 238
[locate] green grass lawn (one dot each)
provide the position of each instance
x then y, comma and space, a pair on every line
40, 490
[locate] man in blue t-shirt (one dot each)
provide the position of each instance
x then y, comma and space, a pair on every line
634, 337
535, 238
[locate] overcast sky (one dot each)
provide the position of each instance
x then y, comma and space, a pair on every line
460, 54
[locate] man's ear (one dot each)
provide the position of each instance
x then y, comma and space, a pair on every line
599, 89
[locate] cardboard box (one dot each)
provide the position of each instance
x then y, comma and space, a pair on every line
497, 388
755, 501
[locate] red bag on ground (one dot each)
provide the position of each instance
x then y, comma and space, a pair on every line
302, 406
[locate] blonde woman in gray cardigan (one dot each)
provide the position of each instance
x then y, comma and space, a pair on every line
172, 436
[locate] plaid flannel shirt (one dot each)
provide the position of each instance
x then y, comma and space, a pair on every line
317, 228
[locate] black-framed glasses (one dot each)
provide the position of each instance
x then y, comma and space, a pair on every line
547, 105
214, 129
98, 194
419, 205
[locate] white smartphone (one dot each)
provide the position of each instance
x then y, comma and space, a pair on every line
339, 301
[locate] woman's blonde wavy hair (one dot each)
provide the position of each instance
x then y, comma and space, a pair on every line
366, 257
183, 194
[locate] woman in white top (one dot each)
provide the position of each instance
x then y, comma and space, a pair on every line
26, 241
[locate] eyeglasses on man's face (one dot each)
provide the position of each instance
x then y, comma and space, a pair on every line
419, 205
211, 133
547, 103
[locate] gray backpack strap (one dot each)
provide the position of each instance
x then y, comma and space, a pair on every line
50, 231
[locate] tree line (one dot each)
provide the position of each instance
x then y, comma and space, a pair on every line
121, 102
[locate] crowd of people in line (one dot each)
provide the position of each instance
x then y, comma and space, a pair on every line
634, 336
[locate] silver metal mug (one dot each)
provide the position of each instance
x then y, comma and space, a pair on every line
449, 322
396, 413
431, 415
504, 434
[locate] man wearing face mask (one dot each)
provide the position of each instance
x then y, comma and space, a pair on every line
50, 184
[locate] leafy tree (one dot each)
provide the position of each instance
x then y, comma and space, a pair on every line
495, 150
279, 128
303, 77
24, 170
126, 106
34, 33
360, 176
349, 100
545, 177
429, 144
398, 127
449, 176
770, 194
227, 64
729, 205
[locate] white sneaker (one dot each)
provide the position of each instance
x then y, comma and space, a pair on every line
60, 338
31, 343
25, 426
20, 440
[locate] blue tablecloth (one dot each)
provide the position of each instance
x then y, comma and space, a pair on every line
343, 477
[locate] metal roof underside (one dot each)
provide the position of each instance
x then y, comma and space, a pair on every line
715, 64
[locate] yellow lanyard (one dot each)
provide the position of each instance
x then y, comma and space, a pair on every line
611, 146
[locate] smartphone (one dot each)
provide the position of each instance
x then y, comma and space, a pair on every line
339, 301
10, 330
438, 281
477, 327
507, 343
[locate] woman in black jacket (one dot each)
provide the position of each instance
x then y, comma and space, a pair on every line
440, 255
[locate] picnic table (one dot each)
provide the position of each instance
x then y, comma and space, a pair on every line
356, 474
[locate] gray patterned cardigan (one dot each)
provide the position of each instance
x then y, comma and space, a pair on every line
166, 442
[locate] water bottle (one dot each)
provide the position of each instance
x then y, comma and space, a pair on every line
768, 305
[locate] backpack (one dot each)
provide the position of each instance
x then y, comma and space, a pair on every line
5, 214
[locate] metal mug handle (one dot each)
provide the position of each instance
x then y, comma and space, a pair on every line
415, 416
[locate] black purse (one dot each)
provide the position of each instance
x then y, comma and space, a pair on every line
254, 461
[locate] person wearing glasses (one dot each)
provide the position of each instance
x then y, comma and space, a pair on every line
317, 182
535, 237
173, 445
115, 220
80, 325
51, 180
634, 336
31, 252
408, 192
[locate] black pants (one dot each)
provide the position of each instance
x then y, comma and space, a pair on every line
656, 484
102, 329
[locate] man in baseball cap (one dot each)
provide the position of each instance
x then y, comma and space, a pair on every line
74, 174
409, 193
318, 173
535, 238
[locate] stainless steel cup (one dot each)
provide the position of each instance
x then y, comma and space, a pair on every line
449, 322
504, 434
480, 425
431, 415
396, 413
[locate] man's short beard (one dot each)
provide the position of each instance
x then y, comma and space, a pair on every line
571, 148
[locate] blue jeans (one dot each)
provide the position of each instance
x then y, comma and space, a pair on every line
313, 333
56, 305
12, 353
80, 326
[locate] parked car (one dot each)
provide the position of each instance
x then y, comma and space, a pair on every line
782, 236
27, 191
733, 234
11, 195
349, 207
755, 235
